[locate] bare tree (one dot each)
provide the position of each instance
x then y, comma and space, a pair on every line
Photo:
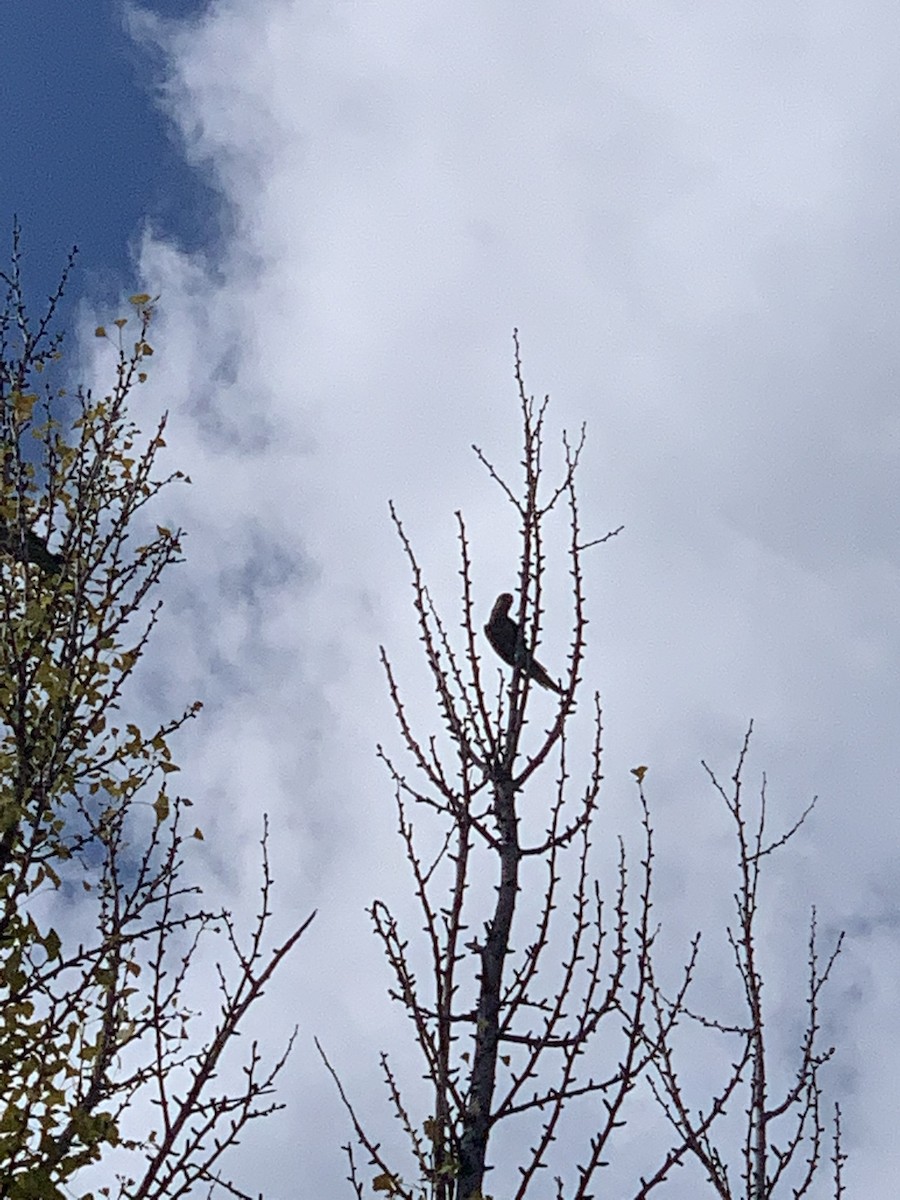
98, 929
535, 1006
782, 1142
504, 1030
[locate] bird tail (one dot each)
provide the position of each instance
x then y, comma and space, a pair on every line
539, 675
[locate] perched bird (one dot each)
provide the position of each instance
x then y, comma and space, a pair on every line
503, 634
33, 548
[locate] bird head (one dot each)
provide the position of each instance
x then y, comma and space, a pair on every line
502, 605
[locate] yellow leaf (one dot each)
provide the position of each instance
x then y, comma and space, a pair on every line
52, 944
99, 331
639, 773
139, 299
198, 834
161, 807
120, 322
23, 405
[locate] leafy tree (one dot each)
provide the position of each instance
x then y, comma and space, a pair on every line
98, 927
535, 1001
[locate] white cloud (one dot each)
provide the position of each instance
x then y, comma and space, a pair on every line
688, 211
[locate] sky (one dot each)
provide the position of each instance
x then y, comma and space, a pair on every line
87, 158
688, 211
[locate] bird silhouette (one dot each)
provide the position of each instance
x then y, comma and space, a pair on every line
503, 634
31, 548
